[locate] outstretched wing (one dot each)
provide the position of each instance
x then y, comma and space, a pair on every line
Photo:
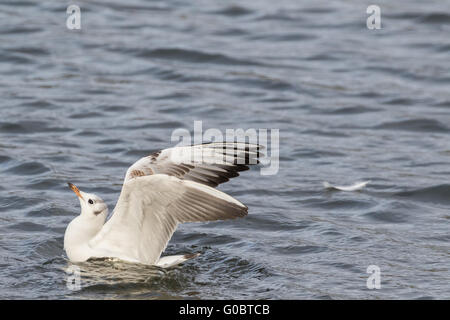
149, 210
210, 164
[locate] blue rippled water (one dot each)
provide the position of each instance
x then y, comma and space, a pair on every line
351, 104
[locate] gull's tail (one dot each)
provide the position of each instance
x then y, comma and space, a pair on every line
170, 261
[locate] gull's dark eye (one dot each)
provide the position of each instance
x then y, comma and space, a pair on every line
90, 201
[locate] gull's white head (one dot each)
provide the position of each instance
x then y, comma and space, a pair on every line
92, 206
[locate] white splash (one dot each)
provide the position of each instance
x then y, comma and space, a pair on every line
354, 187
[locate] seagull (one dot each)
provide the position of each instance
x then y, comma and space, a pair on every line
168, 187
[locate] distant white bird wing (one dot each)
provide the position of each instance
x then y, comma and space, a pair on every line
148, 211
210, 164
354, 187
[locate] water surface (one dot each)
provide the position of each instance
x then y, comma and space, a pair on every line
351, 104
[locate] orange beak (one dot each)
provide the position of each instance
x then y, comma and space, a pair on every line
75, 189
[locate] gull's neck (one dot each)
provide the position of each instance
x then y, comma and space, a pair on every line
79, 232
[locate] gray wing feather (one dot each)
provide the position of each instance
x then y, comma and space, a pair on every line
210, 164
